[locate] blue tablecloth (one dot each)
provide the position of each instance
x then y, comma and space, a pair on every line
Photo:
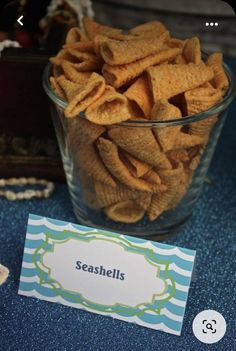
31, 324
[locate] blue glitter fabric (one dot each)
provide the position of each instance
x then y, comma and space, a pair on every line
35, 325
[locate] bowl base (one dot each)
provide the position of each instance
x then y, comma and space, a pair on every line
145, 233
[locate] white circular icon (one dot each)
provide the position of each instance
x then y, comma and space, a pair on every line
209, 326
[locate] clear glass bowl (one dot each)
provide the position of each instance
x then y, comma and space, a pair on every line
169, 221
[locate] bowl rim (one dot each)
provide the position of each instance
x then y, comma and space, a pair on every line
216, 109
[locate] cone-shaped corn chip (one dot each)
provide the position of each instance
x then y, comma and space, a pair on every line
140, 93
85, 66
160, 202
81, 96
143, 199
178, 155
201, 99
220, 80
181, 190
195, 154
63, 55
107, 196
180, 59
184, 140
73, 75
110, 108
70, 89
110, 156
175, 43
140, 143
179, 101
84, 61
135, 166
87, 188
93, 28
163, 111
150, 27
82, 132
169, 80
136, 114
192, 50
194, 151
126, 212
100, 39
194, 163
120, 75
122, 52
198, 100
57, 88
74, 35
57, 71
152, 177
82, 46
203, 128
88, 159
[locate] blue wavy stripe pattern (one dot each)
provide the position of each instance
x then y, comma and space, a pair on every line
146, 317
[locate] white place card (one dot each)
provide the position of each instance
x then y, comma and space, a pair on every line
124, 277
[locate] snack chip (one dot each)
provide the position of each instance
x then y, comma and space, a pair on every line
88, 189
75, 35
220, 80
153, 178
192, 50
120, 75
172, 79
140, 93
150, 28
57, 71
159, 202
131, 139
164, 111
106, 196
136, 167
72, 74
116, 52
57, 88
88, 159
180, 190
175, 43
185, 140
82, 132
201, 99
110, 156
178, 155
198, 100
126, 212
110, 108
84, 61
180, 59
81, 96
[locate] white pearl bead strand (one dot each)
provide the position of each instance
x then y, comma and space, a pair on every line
27, 194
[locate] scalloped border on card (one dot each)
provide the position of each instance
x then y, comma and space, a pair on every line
125, 277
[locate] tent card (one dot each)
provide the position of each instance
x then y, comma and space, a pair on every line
124, 277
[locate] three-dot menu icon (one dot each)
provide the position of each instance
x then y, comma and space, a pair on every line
211, 24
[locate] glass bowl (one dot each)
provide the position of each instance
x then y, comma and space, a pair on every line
81, 184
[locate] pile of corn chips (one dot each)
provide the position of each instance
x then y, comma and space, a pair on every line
145, 74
